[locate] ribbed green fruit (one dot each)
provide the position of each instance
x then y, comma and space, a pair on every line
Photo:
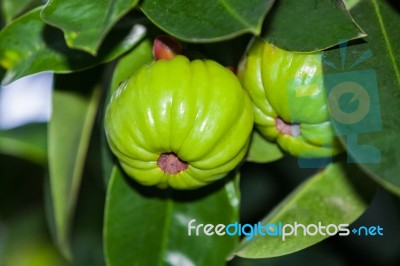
289, 99
179, 123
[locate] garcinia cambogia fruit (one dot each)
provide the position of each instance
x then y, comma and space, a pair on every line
289, 99
179, 123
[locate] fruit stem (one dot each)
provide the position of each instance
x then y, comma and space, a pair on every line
166, 47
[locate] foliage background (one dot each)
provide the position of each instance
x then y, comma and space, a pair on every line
53, 190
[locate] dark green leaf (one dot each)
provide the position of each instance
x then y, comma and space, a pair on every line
69, 135
28, 142
85, 22
303, 25
337, 195
263, 151
207, 20
371, 134
28, 46
147, 226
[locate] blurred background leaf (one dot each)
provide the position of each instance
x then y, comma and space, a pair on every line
24, 236
85, 23
69, 133
374, 63
28, 242
207, 20
338, 194
303, 25
148, 226
28, 45
28, 142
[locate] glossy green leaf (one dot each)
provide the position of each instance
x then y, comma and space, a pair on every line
207, 20
303, 25
148, 226
28, 46
263, 151
371, 136
69, 134
12, 8
125, 67
336, 195
28, 142
85, 23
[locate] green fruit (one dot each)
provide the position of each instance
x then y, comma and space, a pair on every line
289, 100
179, 123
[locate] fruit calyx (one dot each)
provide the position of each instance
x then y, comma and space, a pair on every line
170, 163
292, 129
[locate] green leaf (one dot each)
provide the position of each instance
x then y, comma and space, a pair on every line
207, 20
350, 3
337, 195
125, 67
303, 25
28, 142
148, 226
28, 46
12, 8
263, 151
69, 134
372, 138
85, 23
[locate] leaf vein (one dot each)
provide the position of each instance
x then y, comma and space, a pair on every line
387, 41
234, 14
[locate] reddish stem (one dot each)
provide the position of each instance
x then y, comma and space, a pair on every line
166, 47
